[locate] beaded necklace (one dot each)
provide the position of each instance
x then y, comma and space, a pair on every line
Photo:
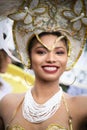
37, 113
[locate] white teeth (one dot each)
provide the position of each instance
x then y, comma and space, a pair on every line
50, 68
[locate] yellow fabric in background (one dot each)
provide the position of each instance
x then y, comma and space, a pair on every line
18, 78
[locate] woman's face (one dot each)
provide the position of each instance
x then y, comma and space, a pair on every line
4, 61
49, 65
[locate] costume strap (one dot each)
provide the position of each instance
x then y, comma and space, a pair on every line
69, 115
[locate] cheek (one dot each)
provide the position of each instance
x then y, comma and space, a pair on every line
64, 62
35, 62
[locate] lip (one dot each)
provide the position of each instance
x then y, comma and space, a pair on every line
50, 69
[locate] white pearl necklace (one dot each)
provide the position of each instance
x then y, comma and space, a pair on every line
37, 113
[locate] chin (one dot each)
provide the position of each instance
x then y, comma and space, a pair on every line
50, 78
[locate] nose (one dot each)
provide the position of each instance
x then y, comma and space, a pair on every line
51, 58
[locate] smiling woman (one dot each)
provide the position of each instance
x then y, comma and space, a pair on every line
48, 42
44, 102
49, 47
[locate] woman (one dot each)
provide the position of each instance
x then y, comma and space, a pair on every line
45, 106
50, 33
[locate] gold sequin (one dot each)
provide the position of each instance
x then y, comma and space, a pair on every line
16, 127
56, 127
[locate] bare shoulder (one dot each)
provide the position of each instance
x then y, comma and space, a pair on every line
82, 100
10, 101
79, 103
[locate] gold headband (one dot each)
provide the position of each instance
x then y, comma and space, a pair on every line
53, 46
47, 47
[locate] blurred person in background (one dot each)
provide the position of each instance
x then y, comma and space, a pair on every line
6, 48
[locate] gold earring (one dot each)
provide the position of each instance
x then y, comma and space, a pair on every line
68, 83
29, 78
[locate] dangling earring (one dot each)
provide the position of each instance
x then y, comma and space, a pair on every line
69, 53
29, 78
66, 77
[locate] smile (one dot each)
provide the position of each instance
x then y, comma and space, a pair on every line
50, 69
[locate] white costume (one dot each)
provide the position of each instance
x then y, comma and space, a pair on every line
6, 44
5, 88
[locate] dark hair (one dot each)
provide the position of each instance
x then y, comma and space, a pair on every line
33, 40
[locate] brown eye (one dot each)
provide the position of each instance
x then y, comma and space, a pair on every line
60, 52
41, 52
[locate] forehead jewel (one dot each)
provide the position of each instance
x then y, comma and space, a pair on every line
54, 44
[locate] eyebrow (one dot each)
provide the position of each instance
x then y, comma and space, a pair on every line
41, 46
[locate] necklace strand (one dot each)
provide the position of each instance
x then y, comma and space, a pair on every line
37, 113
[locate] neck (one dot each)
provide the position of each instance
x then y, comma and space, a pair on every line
37, 112
43, 91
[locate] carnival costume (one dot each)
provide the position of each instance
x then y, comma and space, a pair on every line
36, 16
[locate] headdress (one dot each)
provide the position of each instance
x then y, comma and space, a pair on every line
9, 7
6, 37
36, 16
